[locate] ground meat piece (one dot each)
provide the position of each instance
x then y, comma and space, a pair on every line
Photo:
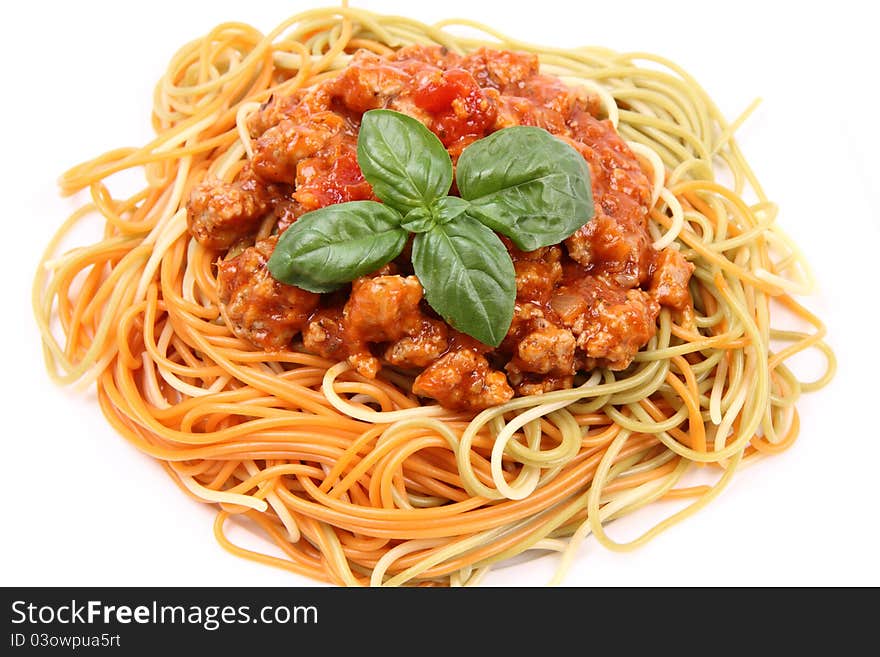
278, 108
526, 315
572, 103
463, 380
609, 324
524, 96
503, 70
609, 245
542, 352
369, 82
537, 272
287, 211
614, 329
546, 350
218, 214
422, 348
332, 176
325, 336
537, 341
411, 56
383, 308
257, 307
380, 309
514, 110
281, 147
537, 385
669, 282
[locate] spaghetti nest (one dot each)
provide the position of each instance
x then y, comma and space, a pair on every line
355, 480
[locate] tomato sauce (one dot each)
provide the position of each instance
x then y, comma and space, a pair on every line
589, 302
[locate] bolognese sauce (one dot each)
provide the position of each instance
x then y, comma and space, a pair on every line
591, 301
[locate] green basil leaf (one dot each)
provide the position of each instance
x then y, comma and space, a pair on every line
468, 277
418, 220
441, 211
448, 208
525, 183
334, 245
405, 163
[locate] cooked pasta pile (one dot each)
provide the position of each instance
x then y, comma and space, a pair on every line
357, 481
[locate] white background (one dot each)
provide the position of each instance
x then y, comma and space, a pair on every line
81, 507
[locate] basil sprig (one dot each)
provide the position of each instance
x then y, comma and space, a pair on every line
521, 182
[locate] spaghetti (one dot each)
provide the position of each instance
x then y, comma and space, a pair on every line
355, 480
